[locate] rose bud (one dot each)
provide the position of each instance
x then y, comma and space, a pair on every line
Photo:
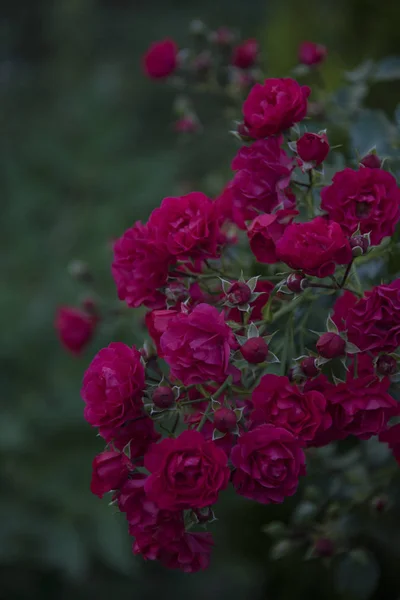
313, 147
379, 503
110, 471
311, 53
163, 397
359, 245
75, 328
204, 514
324, 547
186, 125
371, 161
225, 420
296, 282
255, 350
245, 54
239, 293
223, 36
161, 59
331, 345
386, 365
309, 367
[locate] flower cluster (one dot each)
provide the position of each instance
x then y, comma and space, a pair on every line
220, 394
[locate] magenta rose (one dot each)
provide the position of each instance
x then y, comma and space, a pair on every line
391, 437
315, 247
139, 268
367, 199
190, 553
265, 231
153, 539
269, 462
133, 501
75, 328
137, 435
112, 388
264, 288
156, 322
186, 226
186, 472
109, 471
341, 309
331, 345
373, 324
311, 53
372, 161
274, 106
161, 59
313, 148
262, 180
278, 402
197, 345
245, 54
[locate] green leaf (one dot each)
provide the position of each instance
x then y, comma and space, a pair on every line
388, 69
372, 129
361, 73
357, 574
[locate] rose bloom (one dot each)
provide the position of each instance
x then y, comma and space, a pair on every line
311, 53
161, 59
186, 472
262, 180
315, 247
265, 231
156, 322
197, 346
373, 324
264, 288
191, 553
139, 268
133, 501
109, 471
186, 226
279, 403
391, 437
245, 55
274, 106
137, 434
75, 328
341, 309
152, 539
367, 199
269, 462
313, 148
112, 387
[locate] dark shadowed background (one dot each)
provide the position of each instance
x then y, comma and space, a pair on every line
87, 147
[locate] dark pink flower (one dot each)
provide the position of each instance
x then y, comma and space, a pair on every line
112, 387
161, 59
341, 309
331, 345
269, 462
265, 231
137, 435
315, 247
156, 322
367, 199
311, 53
372, 161
109, 471
278, 402
133, 501
391, 437
186, 124
197, 345
264, 288
373, 324
139, 268
191, 553
152, 539
245, 54
313, 148
186, 227
225, 419
75, 328
274, 106
239, 293
186, 472
255, 350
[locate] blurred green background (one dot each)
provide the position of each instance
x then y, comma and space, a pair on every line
87, 147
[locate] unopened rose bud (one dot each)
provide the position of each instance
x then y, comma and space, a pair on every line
313, 147
223, 36
163, 397
309, 367
371, 161
245, 54
331, 345
359, 245
202, 64
311, 53
324, 548
239, 293
225, 420
204, 514
243, 132
386, 365
379, 503
296, 282
255, 350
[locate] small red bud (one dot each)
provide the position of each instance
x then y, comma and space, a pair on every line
204, 514
379, 503
359, 245
371, 161
324, 547
255, 350
331, 345
239, 293
163, 397
244, 132
223, 36
386, 365
296, 282
225, 420
309, 367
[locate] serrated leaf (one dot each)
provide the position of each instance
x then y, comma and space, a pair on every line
217, 435
253, 282
215, 404
252, 331
331, 325
225, 285
272, 358
241, 339
337, 380
361, 73
352, 348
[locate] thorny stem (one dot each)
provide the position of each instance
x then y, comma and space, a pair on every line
221, 389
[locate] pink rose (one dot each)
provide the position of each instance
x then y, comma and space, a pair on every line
112, 387
315, 247
279, 403
137, 434
341, 309
262, 179
245, 54
191, 553
133, 501
186, 472
373, 324
75, 328
265, 231
161, 59
139, 268
109, 471
313, 148
269, 462
368, 200
274, 106
391, 437
197, 345
331, 345
264, 288
157, 322
311, 53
